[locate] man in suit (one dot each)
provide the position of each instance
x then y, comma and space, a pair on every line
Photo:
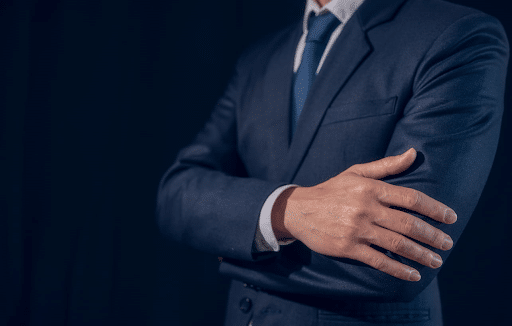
296, 179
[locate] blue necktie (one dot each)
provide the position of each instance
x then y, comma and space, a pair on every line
320, 29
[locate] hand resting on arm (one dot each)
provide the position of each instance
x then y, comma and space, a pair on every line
344, 215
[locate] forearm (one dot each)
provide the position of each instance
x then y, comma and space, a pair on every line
210, 210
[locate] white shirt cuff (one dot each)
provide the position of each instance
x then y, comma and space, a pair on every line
265, 240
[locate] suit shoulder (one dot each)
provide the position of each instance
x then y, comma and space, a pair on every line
424, 21
442, 6
440, 14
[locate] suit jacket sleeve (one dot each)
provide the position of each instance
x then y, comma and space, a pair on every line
453, 120
206, 199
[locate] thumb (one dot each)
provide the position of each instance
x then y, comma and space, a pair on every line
387, 166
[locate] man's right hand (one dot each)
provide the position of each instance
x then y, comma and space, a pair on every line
344, 215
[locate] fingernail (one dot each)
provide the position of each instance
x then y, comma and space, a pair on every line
414, 276
447, 244
436, 261
450, 216
407, 151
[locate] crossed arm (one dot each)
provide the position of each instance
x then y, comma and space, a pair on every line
207, 200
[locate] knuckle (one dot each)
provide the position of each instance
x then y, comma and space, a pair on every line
368, 235
356, 168
368, 191
423, 257
380, 263
400, 273
360, 187
360, 212
352, 235
438, 238
358, 252
397, 244
345, 249
408, 225
381, 193
414, 199
422, 231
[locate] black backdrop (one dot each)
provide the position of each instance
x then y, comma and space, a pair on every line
96, 99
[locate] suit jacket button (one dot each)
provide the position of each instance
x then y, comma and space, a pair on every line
245, 305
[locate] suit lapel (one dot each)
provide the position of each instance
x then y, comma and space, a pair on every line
347, 53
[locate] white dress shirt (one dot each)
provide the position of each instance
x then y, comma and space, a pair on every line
265, 240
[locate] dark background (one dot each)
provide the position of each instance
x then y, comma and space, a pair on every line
96, 99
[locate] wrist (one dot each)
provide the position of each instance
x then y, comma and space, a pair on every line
278, 215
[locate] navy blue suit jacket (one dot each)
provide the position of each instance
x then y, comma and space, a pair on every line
426, 74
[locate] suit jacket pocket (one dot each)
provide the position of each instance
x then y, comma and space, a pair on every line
359, 109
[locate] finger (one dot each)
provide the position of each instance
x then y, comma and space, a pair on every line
387, 166
415, 228
383, 263
416, 201
405, 247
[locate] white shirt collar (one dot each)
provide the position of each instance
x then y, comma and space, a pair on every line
342, 9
